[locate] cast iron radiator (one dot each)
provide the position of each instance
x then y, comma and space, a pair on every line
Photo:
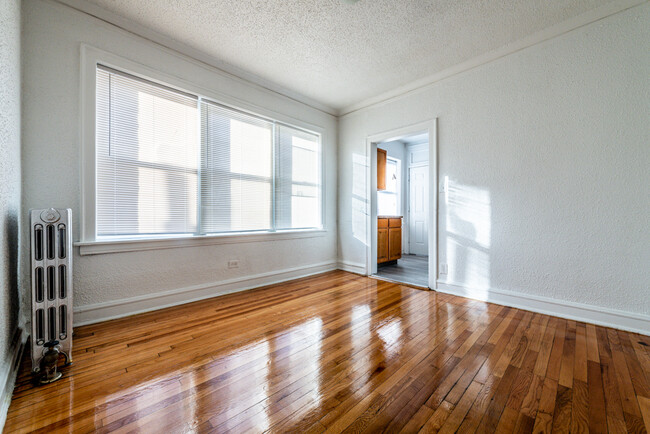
51, 276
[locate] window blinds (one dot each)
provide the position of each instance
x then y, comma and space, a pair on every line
298, 174
170, 163
147, 157
236, 171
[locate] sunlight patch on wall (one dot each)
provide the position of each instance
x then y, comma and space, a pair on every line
468, 229
360, 168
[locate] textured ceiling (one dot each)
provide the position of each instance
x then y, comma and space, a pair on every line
339, 53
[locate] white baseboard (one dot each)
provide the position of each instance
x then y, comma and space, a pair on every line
352, 267
617, 319
8, 372
98, 312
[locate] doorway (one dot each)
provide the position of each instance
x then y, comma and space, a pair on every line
402, 236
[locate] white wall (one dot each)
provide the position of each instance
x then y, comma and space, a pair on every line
394, 149
9, 185
547, 152
51, 158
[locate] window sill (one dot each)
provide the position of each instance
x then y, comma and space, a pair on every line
135, 245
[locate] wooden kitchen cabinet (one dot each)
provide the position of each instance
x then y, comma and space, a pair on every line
389, 239
382, 245
381, 169
394, 243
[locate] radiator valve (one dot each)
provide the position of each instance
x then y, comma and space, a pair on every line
49, 362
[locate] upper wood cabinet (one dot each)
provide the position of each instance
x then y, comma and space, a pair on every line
381, 169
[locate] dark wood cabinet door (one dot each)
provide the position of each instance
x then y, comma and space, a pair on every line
394, 243
382, 245
381, 169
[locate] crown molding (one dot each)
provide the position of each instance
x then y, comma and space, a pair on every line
221, 67
548, 33
411, 88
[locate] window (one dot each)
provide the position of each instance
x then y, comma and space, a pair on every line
172, 163
237, 171
298, 175
147, 157
388, 200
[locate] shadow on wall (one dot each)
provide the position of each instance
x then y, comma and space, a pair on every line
10, 253
468, 226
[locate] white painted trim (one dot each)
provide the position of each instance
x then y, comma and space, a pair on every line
87, 148
424, 84
8, 373
114, 21
110, 19
98, 312
134, 245
617, 319
431, 127
353, 267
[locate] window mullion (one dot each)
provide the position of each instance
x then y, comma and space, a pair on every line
199, 180
274, 148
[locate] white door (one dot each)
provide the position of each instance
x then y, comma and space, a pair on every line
418, 206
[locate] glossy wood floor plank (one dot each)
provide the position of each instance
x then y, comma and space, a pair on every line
339, 352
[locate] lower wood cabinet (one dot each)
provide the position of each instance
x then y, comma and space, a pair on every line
394, 243
389, 239
382, 245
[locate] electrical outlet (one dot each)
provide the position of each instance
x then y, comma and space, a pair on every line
443, 268
444, 185
233, 263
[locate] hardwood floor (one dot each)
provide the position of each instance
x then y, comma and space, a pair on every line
339, 352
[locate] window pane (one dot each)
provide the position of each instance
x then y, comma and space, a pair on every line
391, 176
147, 157
236, 171
298, 179
304, 206
387, 204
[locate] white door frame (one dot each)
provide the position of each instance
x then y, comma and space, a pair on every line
430, 127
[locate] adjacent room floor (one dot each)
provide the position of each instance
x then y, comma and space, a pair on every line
409, 269
341, 352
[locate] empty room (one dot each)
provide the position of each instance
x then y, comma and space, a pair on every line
325, 216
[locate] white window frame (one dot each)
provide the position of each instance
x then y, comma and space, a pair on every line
88, 243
